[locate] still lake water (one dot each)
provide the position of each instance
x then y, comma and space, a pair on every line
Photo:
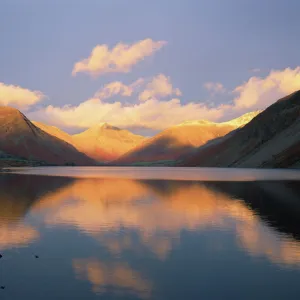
149, 233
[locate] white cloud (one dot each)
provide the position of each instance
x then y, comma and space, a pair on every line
152, 114
16, 96
215, 87
119, 59
118, 88
255, 94
114, 88
159, 87
258, 93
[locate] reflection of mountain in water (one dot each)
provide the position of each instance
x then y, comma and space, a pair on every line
276, 203
154, 212
159, 210
17, 194
127, 220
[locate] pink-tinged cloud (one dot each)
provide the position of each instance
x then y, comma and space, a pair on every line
258, 93
154, 113
151, 113
214, 87
119, 59
16, 96
159, 87
118, 88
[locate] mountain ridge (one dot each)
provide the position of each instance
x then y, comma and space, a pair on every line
176, 141
105, 142
102, 142
21, 138
271, 139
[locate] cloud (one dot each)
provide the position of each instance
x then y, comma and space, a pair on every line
215, 87
119, 59
18, 97
258, 93
159, 87
118, 88
152, 114
156, 114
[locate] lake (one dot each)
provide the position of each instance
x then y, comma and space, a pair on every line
149, 233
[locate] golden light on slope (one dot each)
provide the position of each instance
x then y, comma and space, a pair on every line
55, 131
102, 142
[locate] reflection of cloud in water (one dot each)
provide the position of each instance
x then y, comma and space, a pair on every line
120, 276
159, 244
190, 207
159, 214
16, 235
261, 240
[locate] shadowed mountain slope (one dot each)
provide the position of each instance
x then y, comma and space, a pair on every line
176, 141
21, 138
271, 139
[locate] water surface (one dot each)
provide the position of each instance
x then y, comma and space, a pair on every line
138, 233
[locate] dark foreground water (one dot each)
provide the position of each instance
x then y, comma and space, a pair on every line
117, 234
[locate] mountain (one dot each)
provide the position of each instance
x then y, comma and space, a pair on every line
271, 139
104, 142
55, 131
21, 138
179, 140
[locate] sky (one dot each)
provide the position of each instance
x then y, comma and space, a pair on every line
146, 65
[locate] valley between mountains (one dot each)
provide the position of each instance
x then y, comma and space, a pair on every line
267, 139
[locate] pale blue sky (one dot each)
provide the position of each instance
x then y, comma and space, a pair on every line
207, 41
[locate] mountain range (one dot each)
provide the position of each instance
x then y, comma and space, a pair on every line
104, 142
101, 142
269, 138
174, 142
